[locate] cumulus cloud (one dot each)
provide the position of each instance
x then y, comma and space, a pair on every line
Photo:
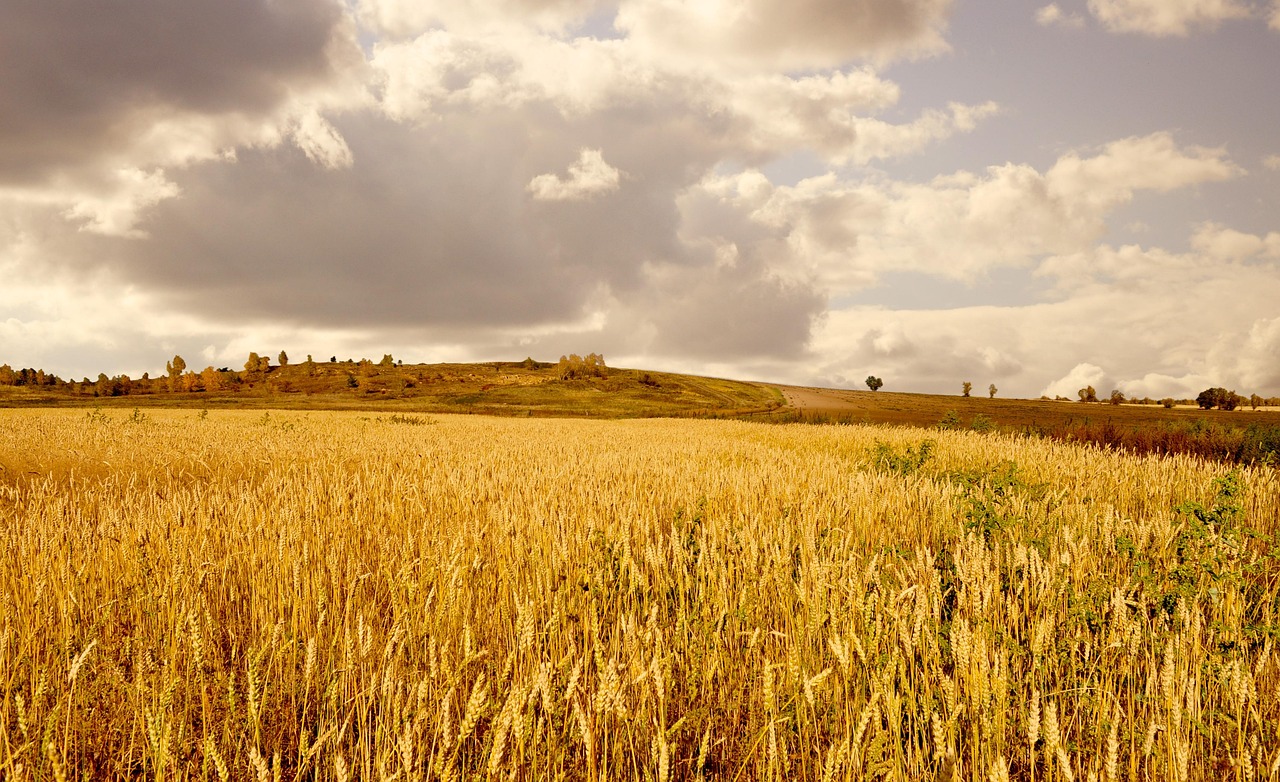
847, 234
1258, 357
1163, 18
1052, 14
1220, 242
1153, 162
1081, 375
1271, 162
1275, 16
588, 177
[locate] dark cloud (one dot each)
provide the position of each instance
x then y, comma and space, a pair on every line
735, 314
79, 79
433, 228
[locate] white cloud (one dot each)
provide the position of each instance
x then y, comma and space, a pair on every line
321, 143
1081, 375
1157, 385
588, 177
1162, 18
440, 73
1052, 14
1275, 16
1220, 242
1258, 357
1153, 162
1271, 162
847, 234
117, 212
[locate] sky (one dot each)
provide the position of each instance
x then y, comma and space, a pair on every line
1039, 196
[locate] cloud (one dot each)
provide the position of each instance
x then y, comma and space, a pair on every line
848, 233
117, 212
156, 64
1051, 14
440, 73
590, 176
785, 35
1081, 375
1220, 242
1258, 357
1164, 18
321, 143
410, 18
1153, 162
1271, 162
1275, 16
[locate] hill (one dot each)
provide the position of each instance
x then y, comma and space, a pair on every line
528, 388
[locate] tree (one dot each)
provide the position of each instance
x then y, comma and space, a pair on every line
1117, 397
175, 369
967, 387
284, 359
1218, 397
874, 383
1255, 401
575, 367
991, 390
387, 361
251, 365
211, 379
1087, 394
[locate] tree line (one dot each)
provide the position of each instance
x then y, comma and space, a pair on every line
177, 377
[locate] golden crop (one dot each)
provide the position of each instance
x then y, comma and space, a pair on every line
331, 596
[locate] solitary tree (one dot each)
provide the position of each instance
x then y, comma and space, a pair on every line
1117, 397
967, 386
992, 391
284, 359
1220, 398
1088, 394
874, 383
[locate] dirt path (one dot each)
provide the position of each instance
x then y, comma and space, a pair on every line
817, 398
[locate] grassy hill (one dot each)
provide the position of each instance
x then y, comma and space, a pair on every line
497, 388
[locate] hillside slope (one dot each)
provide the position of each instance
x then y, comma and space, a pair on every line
499, 388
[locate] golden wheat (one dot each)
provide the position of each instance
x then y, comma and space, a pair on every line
335, 596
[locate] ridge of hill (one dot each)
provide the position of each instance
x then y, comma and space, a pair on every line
497, 388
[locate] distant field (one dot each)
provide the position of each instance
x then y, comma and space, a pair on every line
530, 389
1239, 436
351, 595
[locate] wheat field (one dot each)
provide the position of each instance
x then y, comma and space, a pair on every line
331, 596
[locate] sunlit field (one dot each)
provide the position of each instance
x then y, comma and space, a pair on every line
333, 596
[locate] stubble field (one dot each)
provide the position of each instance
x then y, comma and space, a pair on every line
290, 595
